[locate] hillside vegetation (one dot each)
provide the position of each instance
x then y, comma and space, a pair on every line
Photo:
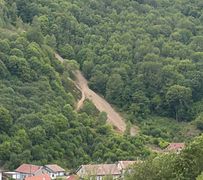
38, 121
144, 56
187, 165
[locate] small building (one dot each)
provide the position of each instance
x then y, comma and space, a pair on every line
175, 147
27, 170
99, 171
54, 170
40, 177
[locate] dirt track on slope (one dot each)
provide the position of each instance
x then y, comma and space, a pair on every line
101, 104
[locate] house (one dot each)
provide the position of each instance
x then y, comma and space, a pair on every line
54, 170
40, 177
98, 171
175, 147
27, 170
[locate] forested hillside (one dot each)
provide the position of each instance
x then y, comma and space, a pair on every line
144, 56
38, 121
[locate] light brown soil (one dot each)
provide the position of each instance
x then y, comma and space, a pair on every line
101, 104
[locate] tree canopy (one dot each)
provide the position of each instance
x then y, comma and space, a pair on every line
144, 56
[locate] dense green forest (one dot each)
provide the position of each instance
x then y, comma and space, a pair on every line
38, 122
144, 56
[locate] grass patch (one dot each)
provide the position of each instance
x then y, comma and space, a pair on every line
168, 129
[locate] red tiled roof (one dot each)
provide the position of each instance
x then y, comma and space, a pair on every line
73, 177
55, 168
40, 177
28, 168
101, 169
175, 146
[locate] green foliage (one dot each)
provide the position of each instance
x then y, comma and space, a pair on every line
199, 122
186, 165
34, 35
51, 41
87, 68
3, 70
114, 88
38, 120
168, 129
17, 52
89, 108
5, 120
143, 56
163, 144
98, 82
140, 105
179, 98
102, 118
19, 67
200, 177
4, 46
67, 51
140, 46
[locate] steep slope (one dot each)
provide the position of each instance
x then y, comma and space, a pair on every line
144, 57
101, 104
38, 121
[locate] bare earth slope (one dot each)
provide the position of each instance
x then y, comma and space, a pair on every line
101, 104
